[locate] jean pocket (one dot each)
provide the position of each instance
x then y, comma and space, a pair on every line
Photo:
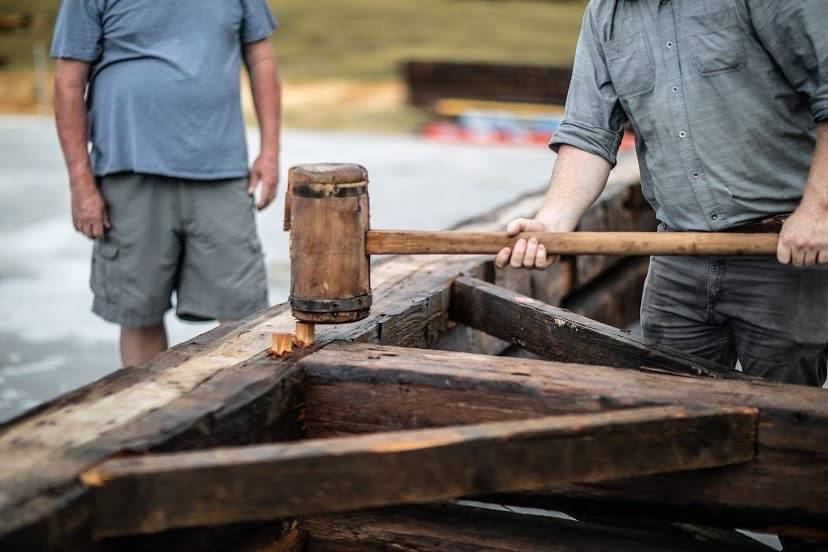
630, 66
811, 321
717, 43
106, 271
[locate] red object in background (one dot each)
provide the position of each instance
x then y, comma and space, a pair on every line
452, 132
628, 141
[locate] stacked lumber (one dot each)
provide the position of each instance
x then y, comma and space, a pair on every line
431, 81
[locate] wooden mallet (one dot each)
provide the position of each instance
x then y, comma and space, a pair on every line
327, 213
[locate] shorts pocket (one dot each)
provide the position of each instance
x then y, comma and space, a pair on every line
106, 271
717, 43
630, 66
255, 245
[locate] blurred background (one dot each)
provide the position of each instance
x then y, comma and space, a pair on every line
448, 103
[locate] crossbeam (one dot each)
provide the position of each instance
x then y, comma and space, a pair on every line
158, 492
556, 334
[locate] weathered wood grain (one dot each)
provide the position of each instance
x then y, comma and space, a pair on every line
362, 388
157, 492
557, 334
442, 528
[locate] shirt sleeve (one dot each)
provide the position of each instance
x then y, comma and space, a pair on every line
594, 120
257, 21
78, 31
795, 34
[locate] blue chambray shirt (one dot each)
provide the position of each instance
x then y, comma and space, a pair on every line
724, 97
164, 91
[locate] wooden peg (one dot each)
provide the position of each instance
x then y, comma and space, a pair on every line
305, 334
282, 344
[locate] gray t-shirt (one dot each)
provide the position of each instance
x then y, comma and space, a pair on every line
724, 96
164, 90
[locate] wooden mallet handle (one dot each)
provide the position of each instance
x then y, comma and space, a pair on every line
394, 242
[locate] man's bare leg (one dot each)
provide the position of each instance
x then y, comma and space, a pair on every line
139, 345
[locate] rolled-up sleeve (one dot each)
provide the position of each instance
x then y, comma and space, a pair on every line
594, 120
78, 31
795, 33
258, 22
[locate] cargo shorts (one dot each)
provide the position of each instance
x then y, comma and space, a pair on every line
196, 239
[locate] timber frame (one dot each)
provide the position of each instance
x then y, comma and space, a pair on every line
130, 461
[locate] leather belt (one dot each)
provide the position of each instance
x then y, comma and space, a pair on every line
769, 225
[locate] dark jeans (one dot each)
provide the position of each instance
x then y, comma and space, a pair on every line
773, 318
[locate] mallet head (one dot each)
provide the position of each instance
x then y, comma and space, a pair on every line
330, 270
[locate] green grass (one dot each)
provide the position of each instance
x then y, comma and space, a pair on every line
366, 39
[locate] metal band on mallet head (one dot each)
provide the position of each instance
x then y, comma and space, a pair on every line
330, 270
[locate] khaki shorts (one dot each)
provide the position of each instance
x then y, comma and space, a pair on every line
195, 238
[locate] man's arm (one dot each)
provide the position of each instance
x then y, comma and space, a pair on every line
793, 33
88, 209
587, 142
267, 98
577, 180
804, 238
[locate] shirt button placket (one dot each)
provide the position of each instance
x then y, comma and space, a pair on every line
677, 99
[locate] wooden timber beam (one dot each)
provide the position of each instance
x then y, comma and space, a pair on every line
159, 492
441, 528
362, 388
557, 334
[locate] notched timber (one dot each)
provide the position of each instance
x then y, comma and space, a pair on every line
158, 492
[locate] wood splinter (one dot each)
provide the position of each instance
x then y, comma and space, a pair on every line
283, 343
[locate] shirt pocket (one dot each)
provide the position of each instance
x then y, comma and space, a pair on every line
630, 66
717, 42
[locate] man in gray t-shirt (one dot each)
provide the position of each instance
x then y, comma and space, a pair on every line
165, 189
729, 103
